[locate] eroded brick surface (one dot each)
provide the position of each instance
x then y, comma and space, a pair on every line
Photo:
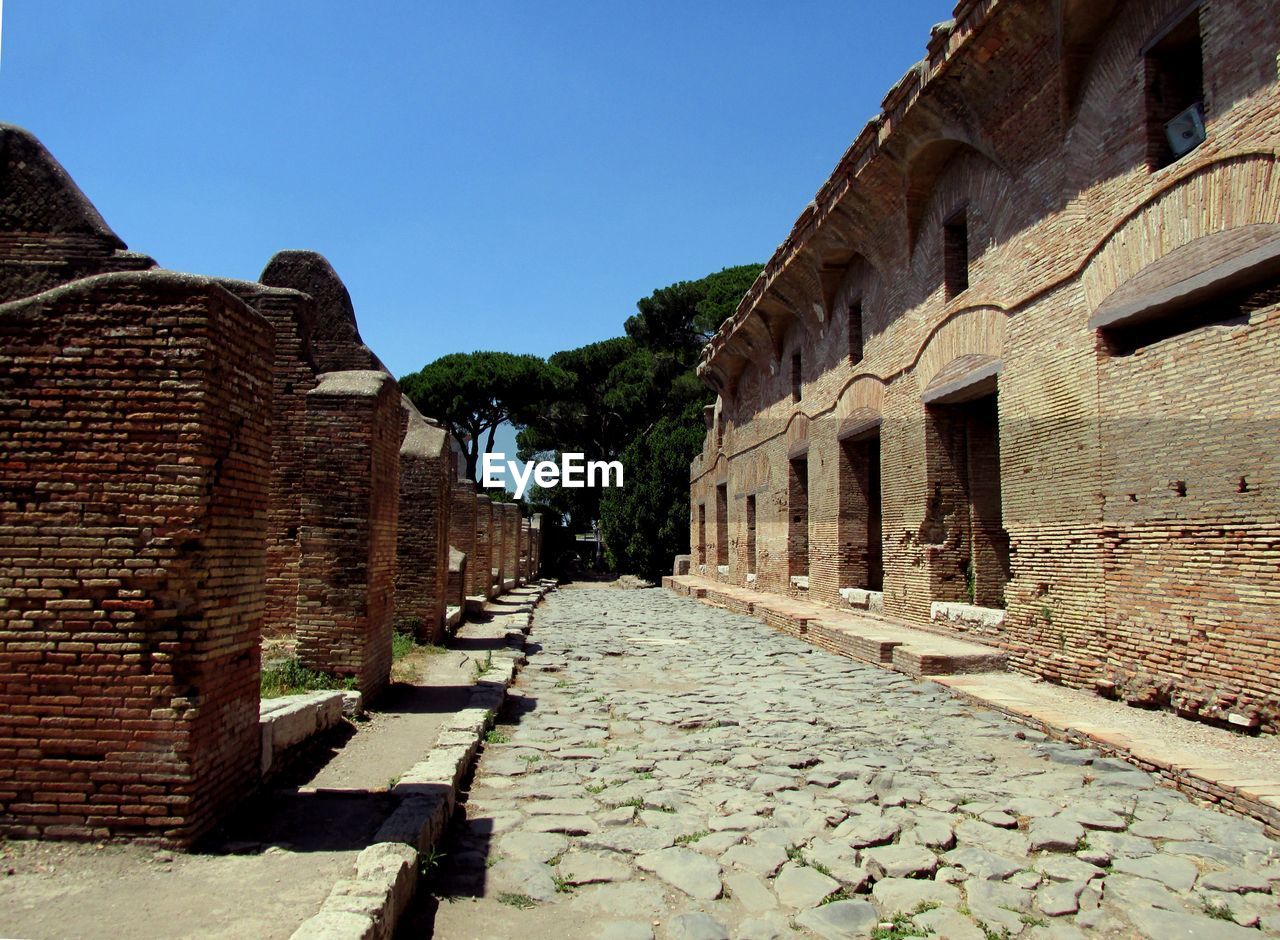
1111, 488
135, 476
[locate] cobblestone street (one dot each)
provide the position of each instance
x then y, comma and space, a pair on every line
670, 770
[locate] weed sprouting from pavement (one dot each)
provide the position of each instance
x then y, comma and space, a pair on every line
521, 902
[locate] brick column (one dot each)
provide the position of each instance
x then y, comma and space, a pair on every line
292, 318
134, 468
349, 508
422, 545
462, 531
511, 543
482, 577
525, 557
497, 549
535, 545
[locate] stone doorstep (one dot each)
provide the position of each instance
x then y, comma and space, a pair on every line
915, 652
863, 599
1257, 799
369, 906
951, 612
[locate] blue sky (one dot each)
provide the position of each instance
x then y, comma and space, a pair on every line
483, 175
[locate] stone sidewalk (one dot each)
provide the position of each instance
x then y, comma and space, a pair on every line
679, 771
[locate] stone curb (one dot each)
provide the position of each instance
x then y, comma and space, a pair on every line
291, 720
369, 906
1210, 786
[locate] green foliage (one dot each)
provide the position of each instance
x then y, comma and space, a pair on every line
690, 837
897, 928
683, 317
646, 521
290, 677
633, 398
473, 393
1217, 910
402, 645
520, 902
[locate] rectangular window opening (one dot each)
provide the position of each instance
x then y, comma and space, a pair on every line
855, 332
796, 385
751, 535
1174, 70
955, 253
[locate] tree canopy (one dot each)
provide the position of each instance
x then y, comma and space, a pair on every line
636, 398
682, 317
633, 398
473, 393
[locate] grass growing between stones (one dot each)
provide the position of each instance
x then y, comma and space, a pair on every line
1218, 911
691, 837
898, 928
521, 902
290, 677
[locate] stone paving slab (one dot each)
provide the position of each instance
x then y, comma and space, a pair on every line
728, 780
1211, 768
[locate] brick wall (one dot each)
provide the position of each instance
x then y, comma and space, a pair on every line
335, 341
462, 531
350, 506
522, 571
1097, 496
134, 480
511, 541
535, 545
50, 233
291, 314
482, 574
497, 548
422, 542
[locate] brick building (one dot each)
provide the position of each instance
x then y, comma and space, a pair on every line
185, 461
1012, 373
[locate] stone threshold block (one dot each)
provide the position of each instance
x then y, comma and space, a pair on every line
350, 508
967, 617
134, 467
862, 599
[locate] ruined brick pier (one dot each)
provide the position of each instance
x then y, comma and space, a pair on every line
186, 462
